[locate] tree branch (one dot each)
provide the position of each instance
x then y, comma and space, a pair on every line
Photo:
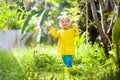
104, 37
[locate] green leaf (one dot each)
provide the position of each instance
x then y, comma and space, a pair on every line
23, 36
116, 32
43, 16
33, 12
42, 19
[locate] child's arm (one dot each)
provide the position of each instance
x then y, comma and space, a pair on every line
75, 29
53, 31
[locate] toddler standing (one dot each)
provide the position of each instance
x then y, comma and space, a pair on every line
66, 41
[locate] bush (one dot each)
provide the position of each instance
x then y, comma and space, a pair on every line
36, 62
11, 16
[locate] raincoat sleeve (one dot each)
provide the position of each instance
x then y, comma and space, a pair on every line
75, 29
54, 32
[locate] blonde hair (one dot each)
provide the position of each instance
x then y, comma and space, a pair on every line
62, 16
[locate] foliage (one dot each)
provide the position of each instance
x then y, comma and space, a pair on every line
33, 12
38, 15
116, 32
35, 62
90, 60
72, 8
43, 63
41, 14
29, 63
56, 2
116, 40
44, 14
9, 68
11, 16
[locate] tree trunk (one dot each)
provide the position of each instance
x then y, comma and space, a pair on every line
118, 9
97, 22
103, 19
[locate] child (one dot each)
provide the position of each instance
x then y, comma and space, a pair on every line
66, 44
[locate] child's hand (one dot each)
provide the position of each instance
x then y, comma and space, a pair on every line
48, 25
74, 25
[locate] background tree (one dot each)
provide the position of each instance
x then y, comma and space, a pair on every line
98, 16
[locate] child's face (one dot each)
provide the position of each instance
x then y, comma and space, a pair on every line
64, 22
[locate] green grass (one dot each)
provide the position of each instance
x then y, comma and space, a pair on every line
9, 67
30, 63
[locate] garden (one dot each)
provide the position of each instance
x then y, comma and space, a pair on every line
96, 50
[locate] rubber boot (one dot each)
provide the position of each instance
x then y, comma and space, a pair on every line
73, 70
70, 69
66, 69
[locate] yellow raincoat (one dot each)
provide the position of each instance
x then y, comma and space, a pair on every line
66, 39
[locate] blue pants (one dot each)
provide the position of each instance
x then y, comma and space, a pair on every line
67, 59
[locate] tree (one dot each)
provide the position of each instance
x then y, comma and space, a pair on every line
97, 22
103, 16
